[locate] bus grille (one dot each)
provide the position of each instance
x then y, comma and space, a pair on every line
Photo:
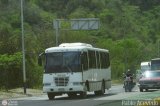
61, 81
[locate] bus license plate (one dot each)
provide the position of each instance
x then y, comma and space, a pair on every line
61, 89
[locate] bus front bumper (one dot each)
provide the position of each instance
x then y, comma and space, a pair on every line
63, 89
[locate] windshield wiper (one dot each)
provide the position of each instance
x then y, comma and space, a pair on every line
68, 68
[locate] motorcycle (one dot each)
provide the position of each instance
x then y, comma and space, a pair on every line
128, 84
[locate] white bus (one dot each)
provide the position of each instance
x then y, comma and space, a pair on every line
75, 68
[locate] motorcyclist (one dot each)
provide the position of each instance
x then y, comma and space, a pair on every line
129, 74
128, 81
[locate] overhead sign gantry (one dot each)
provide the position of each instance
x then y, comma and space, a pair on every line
75, 24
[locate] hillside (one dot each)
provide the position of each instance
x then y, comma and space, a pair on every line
130, 30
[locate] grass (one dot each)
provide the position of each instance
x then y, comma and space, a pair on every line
19, 92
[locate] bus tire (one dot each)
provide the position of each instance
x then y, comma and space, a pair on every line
87, 85
141, 89
102, 88
51, 96
102, 91
72, 95
83, 94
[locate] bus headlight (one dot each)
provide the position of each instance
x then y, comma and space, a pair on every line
77, 83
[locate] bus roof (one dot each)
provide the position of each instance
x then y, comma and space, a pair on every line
73, 47
156, 59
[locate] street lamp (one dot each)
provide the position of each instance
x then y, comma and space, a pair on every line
23, 49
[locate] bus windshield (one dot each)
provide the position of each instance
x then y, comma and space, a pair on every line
58, 62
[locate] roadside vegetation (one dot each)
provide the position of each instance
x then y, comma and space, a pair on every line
18, 93
129, 30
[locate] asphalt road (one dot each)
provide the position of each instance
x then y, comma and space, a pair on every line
113, 97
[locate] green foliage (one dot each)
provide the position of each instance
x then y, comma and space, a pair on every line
10, 75
129, 30
124, 54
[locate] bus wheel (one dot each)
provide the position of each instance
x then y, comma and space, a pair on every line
72, 95
51, 96
141, 89
83, 94
97, 92
102, 91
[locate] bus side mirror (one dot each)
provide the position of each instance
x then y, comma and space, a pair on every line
40, 59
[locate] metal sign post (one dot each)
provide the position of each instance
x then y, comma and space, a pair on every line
56, 26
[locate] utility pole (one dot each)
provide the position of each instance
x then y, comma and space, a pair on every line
56, 25
125, 46
23, 49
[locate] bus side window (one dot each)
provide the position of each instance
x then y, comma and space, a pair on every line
105, 62
84, 60
92, 59
98, 59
